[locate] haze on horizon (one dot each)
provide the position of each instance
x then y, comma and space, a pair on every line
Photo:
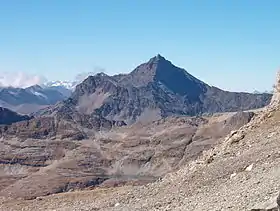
229, 44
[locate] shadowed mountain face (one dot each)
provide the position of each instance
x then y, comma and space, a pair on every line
162, 72
154, 90
8, 117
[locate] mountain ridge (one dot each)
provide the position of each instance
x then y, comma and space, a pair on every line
154, 90
30, 99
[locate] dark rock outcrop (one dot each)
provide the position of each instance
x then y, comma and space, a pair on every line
8, 117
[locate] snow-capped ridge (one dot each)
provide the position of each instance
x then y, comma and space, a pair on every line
67, 84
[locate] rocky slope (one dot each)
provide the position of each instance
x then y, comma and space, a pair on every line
35, 162
241, 172
153, 90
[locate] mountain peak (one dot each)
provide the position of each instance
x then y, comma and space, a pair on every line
157, 59
160, 70
101, 74
158, 56
34, 87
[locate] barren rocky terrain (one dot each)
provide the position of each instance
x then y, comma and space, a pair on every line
236, 175
147, 140
239, 172
136, 154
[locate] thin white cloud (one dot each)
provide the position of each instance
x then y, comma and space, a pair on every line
23, 80
20, 79
82, 76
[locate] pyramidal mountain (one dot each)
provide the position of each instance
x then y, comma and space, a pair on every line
153, 90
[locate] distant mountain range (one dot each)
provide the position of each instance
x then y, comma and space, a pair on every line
66, 84
28, 100
33, 98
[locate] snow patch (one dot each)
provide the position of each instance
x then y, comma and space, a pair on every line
40, 95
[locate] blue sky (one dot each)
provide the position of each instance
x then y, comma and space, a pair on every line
230, 44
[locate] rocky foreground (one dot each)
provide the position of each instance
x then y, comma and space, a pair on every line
240, 173
33, 165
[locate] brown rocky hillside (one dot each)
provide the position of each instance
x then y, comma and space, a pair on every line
35, 162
